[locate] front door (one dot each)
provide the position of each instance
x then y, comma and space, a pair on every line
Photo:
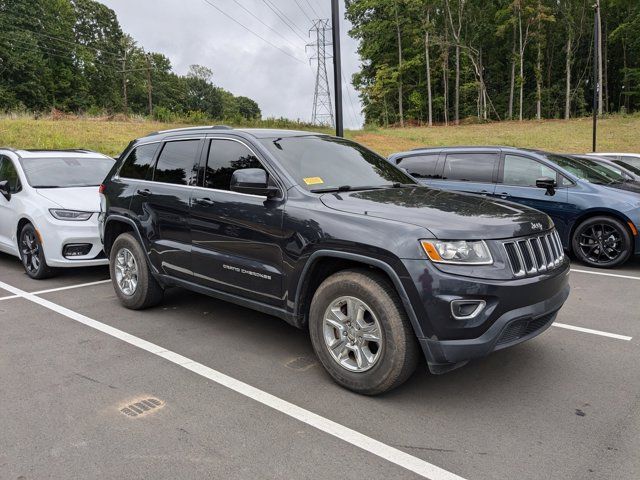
9, 208
518, 184
237, 238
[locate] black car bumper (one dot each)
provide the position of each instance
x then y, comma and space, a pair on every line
516, 311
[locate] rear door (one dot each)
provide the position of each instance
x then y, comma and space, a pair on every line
162, 206
423, 167
517, 183
237, 238
472, 172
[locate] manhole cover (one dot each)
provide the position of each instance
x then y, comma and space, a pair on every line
301, 363
142, 407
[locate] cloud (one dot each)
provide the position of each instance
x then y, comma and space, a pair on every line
192, 32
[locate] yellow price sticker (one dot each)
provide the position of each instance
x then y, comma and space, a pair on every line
313, 180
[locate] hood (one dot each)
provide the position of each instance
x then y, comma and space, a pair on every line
85, 199
448, 215
630, 186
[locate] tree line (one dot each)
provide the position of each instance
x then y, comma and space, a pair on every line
72, 55
445, 61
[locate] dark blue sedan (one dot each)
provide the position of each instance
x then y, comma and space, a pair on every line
597, 220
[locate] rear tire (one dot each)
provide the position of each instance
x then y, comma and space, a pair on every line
370, 349
602, 242
132, 280
32, 254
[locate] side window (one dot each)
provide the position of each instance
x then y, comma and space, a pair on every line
524, 172
139, 162
470, 167
421, 166
176, 162
9, 173
226, 156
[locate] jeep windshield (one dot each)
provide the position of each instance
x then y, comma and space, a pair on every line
66, 172
325, 164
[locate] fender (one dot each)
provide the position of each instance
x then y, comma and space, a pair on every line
385, 267
136, 232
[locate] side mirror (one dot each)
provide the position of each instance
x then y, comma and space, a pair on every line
253, 181
549, 184
5, 189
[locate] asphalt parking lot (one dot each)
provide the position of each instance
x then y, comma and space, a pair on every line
225, 392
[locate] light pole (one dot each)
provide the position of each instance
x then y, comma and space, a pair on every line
596, 72
337, 66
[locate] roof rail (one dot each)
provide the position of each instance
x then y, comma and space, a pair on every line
187, 129
11, 149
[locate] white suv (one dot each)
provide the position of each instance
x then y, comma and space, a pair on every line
49, 204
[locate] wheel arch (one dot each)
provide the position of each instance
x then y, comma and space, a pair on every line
324, 263
597, 213
115, 226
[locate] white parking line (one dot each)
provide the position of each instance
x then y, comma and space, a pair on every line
60, 289
593, 332
382, 450
604, 274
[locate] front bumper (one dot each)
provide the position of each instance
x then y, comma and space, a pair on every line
516, 310
58, 233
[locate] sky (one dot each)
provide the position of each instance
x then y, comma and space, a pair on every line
193, 32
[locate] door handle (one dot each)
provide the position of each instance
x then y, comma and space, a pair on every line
207, 202
504, 195
484, 192
144, 193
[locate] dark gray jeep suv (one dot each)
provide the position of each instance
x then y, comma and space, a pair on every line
331, 237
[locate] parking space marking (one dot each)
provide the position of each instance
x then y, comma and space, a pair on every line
353, 437
616, 275
593, 332
60, 289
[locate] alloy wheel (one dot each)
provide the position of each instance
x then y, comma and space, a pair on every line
30, 252
126, 270
601, 243
352, 334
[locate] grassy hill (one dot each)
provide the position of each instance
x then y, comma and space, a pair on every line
619, 133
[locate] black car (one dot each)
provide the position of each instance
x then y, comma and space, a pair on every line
330, 237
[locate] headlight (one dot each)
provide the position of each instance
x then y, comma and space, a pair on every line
70, 215
457, 252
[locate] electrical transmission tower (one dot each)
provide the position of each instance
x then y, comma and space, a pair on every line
322, 105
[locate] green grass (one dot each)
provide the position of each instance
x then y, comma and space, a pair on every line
618, 133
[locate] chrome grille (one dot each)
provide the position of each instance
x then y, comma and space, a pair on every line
533, 255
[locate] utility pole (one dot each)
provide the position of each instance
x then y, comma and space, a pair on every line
149, 86
337, 66
596, 72
125, 105
322, 105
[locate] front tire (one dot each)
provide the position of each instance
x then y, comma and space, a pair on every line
32, 254
132, 280
360, 332
602, 242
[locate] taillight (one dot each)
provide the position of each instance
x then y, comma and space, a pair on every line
102, 188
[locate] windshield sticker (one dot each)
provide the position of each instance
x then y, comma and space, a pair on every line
313, 180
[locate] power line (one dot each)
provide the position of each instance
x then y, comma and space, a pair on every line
351, 102
62, 40
312, 9
303, 11
283, 17
263, 23
252, 32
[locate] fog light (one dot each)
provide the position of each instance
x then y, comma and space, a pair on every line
467, 309
76, 250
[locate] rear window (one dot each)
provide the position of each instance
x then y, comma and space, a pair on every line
139, 162
420, 166
470, 167
66, 172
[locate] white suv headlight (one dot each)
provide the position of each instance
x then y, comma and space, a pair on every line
458, 252
70, 215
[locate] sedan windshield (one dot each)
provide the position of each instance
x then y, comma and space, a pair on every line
588, 170
629, 167
322, 163
66, 172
